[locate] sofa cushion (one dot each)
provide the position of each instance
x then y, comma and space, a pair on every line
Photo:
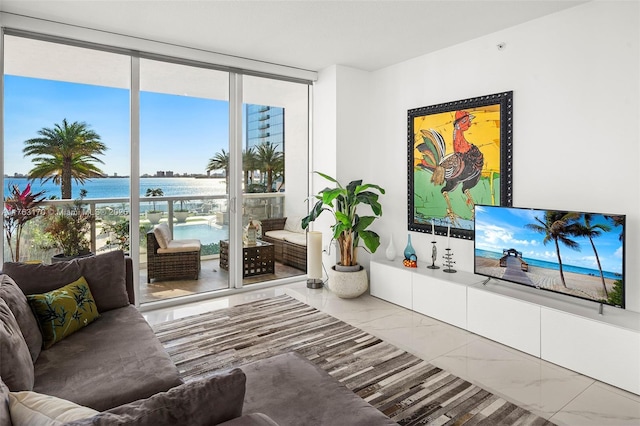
278, 234
107, 278
203, 402
34, 409
5, 416
181, 246
319, 396
105, 274
162, 234
64, 311
118, 359
253, 419
17, 302
16, 367
295, 238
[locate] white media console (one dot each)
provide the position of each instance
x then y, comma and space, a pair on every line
570, 333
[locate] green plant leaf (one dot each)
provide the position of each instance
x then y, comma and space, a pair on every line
371, 240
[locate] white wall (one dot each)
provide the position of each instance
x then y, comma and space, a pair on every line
575, 77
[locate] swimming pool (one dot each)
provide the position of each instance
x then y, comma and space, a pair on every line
207, 234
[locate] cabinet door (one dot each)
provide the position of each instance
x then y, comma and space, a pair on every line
391, 283
602, 351
506, 320
439, 299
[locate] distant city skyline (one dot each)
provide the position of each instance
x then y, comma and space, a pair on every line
177, 133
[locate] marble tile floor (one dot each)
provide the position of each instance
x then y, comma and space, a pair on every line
560, 395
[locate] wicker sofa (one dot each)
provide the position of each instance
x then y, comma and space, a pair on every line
171, 259
289, 239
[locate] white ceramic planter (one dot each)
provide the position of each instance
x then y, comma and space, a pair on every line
348, 285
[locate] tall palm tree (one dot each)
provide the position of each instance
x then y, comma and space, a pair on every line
66, 152
587, 229
249, 164
220, 161
557, 227
271, 161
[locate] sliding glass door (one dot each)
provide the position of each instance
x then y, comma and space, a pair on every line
184, 167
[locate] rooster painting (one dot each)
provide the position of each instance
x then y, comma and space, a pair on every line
462, 166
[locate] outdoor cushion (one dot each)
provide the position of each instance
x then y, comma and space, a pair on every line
294, 224
278, 234
34, 409
105, 274
16, 367
295, 238
17, 302
204, 402
64, 311
163, 235
181, 246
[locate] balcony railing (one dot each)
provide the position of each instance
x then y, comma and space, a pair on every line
198, 216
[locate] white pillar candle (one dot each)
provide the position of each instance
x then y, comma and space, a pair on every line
314, 255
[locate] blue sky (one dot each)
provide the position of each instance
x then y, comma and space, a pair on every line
499, 228
177, 133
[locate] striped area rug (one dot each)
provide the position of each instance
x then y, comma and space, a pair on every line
406, 388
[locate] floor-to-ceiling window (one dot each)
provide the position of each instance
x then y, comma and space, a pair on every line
204, 150
58, 97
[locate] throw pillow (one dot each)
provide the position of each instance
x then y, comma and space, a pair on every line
41, 278
294, 224
16, 367
107, 278
202, 402
105, 273
64, 311
17, 302
34, 409
162, 234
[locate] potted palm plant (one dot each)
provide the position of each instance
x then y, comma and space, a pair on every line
181, 214
348, 278
154, 215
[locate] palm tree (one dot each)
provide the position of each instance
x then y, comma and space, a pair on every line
65, 152
249, 164
270, 160
557, 226
220, 161
154, 192
586, 229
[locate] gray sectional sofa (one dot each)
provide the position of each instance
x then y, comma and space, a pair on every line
117, 370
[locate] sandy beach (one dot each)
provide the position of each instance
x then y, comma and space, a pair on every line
577, 284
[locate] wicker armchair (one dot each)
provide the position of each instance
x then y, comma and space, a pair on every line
173, 264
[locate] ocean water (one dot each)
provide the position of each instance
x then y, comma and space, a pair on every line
119, 187
551, 265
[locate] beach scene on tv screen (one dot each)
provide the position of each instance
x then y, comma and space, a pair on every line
579, 254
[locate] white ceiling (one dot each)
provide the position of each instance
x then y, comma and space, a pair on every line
306, 34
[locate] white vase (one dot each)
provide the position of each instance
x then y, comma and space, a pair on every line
390, 253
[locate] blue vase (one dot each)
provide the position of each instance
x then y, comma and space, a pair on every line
409, 252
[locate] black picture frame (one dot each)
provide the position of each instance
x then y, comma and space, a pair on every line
445, 183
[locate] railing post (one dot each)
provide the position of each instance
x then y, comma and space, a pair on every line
94, 237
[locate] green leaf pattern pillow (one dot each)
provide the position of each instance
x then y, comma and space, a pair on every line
64, 311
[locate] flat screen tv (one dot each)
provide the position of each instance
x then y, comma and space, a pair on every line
579, 254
